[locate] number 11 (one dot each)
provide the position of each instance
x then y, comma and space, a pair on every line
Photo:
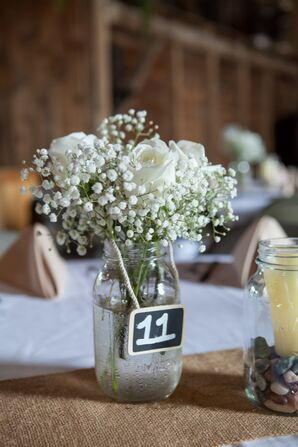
146, 324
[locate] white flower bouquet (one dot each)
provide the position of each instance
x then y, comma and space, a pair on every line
128, 186
243, 145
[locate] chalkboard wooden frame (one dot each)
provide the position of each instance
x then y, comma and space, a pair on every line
172, 309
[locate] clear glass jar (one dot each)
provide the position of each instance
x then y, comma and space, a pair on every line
271, 327
144, 377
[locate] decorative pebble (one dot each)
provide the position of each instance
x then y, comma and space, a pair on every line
261, 382
281, 408
262, 365
262, 350
269, 376
275, 378
283, 364
293, 400
294, 367
290, 377
273, 353
293, 387
278, 399
278, 388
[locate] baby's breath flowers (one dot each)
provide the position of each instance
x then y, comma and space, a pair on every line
244, 145
128, 185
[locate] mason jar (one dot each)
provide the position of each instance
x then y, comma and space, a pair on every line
271, 327
145, 377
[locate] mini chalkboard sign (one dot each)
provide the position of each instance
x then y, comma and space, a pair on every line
153, 329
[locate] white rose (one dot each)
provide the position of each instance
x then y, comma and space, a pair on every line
60, 146
185, 147
157, 165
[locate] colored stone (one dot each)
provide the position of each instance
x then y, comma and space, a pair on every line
261, 382
280, 408
262, 365
262, 350
293, 399
290, 377
293, 386
278, 399
273, 353
278, 388
269, 376
294, 367
283, 364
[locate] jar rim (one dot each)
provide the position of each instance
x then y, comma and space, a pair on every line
146, 250
279, 252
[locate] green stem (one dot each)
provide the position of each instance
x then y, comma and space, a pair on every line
143, 270
111, 288
112, 361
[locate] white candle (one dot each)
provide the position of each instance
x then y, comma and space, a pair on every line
282, 287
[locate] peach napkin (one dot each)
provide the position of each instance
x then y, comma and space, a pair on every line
32, 265
245, 252
237, 272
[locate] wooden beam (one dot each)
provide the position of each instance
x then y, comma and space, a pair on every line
121, 14
101, 63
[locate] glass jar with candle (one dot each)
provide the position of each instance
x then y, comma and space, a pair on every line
271, 327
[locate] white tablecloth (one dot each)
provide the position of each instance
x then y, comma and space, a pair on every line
252, 200
39, 336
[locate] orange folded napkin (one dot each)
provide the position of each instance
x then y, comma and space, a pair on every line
32, 265
237, 272
245, 253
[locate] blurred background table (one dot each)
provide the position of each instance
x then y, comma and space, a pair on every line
253, 200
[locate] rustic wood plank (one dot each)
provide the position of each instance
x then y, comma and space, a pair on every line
101, 60
142, 72
194, 37
267, 115
146, 64
244, 93
177, 88
46, 75
214, 131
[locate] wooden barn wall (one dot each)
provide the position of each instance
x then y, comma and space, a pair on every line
55, 70
46, 85
195, 101
196, 94
155, 94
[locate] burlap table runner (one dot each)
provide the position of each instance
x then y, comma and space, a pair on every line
209, 409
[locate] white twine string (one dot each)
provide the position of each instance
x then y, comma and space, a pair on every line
125, 276
173, 265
